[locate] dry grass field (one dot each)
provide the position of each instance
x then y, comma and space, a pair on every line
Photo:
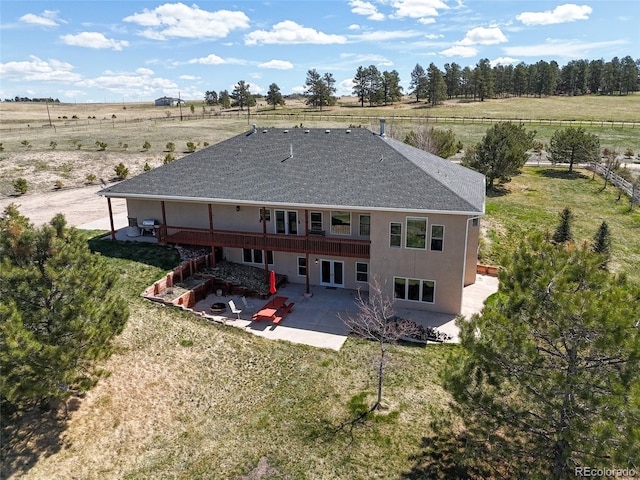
185, 399
27, 134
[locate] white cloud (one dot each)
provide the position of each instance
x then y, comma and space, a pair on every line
73, 93
48, 18
418, 8
277, 64
483, 36
370, 59
568, 12
39, 70
289, 32
144, 71
460, 51
369, 10
131, 84
433, 36
561, 48
354, 26
173, 20
426, 20
344, 87
504, 61
93, 40
188, 77
385, 35
213, 59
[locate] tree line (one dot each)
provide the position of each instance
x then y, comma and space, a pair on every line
27, 99
619, 76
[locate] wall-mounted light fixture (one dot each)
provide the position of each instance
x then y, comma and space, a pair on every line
316, 261
237, 208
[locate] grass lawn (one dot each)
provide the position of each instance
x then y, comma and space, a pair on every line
534, 200
188, 399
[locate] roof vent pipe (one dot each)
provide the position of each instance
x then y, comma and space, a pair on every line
255, 128
382, 121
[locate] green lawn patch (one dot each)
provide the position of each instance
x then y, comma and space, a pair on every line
533, 201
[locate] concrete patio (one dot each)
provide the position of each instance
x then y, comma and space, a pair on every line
316, 320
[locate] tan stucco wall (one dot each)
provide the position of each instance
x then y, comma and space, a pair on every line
286, 263
444, 267
473, 243
450, 269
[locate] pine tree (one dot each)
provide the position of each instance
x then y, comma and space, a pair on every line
602, 243
549, 372
573, 145
58, 311
563, 230
501, 153
274, 97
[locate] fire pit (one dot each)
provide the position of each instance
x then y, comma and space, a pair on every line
218, 307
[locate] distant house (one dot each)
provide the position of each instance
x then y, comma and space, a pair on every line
168, 102
326, 207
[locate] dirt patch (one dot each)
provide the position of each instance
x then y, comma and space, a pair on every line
79, 205
71, 169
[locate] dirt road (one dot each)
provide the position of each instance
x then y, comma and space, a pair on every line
79, 205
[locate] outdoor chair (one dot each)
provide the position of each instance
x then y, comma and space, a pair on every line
234, 309
247, 306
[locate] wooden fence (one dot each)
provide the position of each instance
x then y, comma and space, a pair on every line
302, 117
630, 189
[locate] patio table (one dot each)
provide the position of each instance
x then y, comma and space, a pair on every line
270, 309
265, 314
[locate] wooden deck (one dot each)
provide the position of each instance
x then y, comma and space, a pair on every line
312, 244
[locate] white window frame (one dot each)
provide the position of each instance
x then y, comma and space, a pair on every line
399, 235
286, 222
426, 232
420, 291
436, 238
311, 222
366, 273
299, 266
331, 223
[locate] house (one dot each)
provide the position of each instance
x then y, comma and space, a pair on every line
326, 207
168, 102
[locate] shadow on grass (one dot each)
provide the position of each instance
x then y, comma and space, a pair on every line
159, 256
361, 418
498, 191
561, 174
31, 434
444, 456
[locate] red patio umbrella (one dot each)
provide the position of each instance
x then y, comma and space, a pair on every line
272, 283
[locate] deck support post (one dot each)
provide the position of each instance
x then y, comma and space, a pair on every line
306, 256
213, 247
264, 252
113, 230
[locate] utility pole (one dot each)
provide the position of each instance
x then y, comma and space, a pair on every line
180, 105
48, 114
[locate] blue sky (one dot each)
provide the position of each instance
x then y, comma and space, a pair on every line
138, 50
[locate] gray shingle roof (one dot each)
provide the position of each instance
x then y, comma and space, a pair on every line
333, 168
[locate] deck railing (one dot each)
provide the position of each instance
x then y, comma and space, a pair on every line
316, 245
